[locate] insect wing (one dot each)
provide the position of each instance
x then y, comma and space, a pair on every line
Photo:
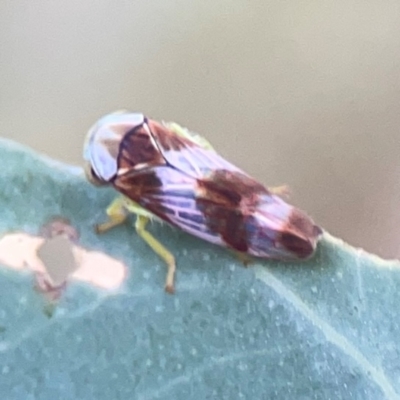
250, 219
186, 155
198, 191
281, 231
170, 195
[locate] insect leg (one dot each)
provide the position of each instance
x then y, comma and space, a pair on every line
243, 257
282, 190
116, 216
158, 248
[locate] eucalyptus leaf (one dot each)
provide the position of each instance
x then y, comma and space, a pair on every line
327, 328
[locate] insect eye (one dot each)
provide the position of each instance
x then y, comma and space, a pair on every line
92, 177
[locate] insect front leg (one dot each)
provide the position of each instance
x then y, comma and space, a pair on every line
158, 248
116, 215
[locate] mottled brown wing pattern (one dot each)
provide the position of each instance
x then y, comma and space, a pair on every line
139, 185
232, 187
250, 219
138, 150
187, 156
161, 190
299, 233
226, 208
228, 200
168, 140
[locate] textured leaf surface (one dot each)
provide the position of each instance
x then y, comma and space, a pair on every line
325, 328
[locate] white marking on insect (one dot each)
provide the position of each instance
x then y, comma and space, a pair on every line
148, 131
122, 171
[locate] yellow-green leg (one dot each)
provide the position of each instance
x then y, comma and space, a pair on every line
116, 216
243, 257
282, 190
158, 248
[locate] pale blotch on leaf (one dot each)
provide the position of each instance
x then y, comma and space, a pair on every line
56, 259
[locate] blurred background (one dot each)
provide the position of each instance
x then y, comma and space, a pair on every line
300, 92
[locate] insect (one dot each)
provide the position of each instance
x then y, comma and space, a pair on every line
169, 174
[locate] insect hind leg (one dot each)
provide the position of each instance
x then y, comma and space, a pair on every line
158, 248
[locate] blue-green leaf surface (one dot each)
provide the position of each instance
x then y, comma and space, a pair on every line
328, 328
